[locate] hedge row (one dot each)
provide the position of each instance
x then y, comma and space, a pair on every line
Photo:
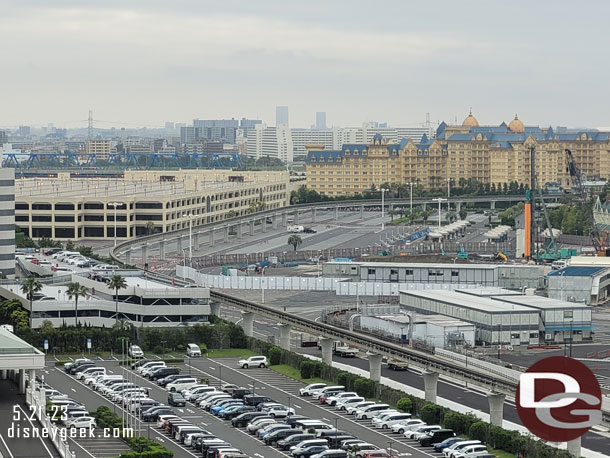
141, 446
466, 424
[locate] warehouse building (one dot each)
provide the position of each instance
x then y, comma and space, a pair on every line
435, 330
586, 284
496, 322
512, 276
506, 317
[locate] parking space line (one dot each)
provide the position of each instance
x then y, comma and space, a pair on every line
27, 416
6, 446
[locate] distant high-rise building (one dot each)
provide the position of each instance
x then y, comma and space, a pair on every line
188, 134
224, 130
248, 124
24, 131
169, 125
281, 116
7, 229
3, 138
321, 120
275, 142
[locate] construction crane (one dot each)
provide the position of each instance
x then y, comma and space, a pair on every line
551, 251
598, 239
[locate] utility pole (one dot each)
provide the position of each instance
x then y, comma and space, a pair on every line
533, 206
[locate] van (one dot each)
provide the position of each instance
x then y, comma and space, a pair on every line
255, 399
193, 350
162, 372
181, 384
559, 264
295, 229
90, 371
135, 352
327, 389
308, 425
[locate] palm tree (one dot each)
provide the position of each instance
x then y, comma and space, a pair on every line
76, 290
295, 241
116, 283
30, 287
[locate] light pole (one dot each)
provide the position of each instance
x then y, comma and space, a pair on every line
114, 205
439, 200
411, 199
190, 217
383, 191
448, 193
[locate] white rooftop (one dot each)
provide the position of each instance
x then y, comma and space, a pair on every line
484, 304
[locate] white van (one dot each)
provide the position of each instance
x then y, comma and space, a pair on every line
193, 350
559, 264
90, 371
295, 228
181, 384
318, 394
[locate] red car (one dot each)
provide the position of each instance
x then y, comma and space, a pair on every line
323, 399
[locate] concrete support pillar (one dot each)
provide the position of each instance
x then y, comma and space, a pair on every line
423, 206
227, 234
239, 227
252, 227
458, 206
327, 350
375, 367
162, 249
362, 212
215, 308
496, 408
212, 237
144, 253
296, 217
283, 219
3, 374
21, 381
31, 378
336, 213
574, 447
430, 385
264, 224
274, 221
493, 204
313, 215
128, 257
195, 241
179, 245
247, 323
285, 336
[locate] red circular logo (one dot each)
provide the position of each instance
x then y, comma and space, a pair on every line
559, 399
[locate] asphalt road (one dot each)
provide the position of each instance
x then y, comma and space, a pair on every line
19, 446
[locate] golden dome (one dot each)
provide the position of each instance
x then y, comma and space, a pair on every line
470, 121
516, 125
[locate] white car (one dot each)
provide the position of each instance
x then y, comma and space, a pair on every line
209, 401
76, 259
193, 350
351, 410
309, 389
332, 400
81, 423
149, 365
386, 420
135, 352
344, 403
364, 448
457, 446
421, 432
253, 361
369, 411
259, 423
90, 371
181, 383
279, 411
194, 393
469, 451
163, 418
407, 425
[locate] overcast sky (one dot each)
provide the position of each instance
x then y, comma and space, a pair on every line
146, 62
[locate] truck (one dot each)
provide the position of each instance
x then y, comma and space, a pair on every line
341, 349
295, 228
397, 365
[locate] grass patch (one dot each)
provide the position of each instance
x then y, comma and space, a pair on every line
296, 374
500, 453
230, 353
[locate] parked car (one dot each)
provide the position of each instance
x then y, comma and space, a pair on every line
406, 425
435, 437
181, 383
309, 389
253, 361
176, 399
294, 439
135, 352
82, 423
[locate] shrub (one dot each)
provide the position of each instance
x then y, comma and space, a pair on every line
365, 387
479, 430
405, 405
307, 369
275, 355
61, 363
458, 422
431, 413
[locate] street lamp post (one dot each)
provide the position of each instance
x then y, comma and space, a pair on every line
383, 191
411, 199
439, 200
114, 205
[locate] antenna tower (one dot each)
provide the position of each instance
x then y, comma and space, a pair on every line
90, 125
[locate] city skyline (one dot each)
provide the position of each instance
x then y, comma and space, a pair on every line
179, 61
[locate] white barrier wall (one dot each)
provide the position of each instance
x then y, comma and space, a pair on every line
341, 286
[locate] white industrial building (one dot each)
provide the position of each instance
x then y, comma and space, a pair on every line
580, 283
495, 321
514, 276
435, 330
506, 317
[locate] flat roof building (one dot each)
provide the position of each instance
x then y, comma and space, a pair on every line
7, 224
144, 202
581, 283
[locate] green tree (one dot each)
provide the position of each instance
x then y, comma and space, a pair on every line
117, 283
150, 227
30, 287
75, 291
405, 405
69, 245
295, 241
463, 214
